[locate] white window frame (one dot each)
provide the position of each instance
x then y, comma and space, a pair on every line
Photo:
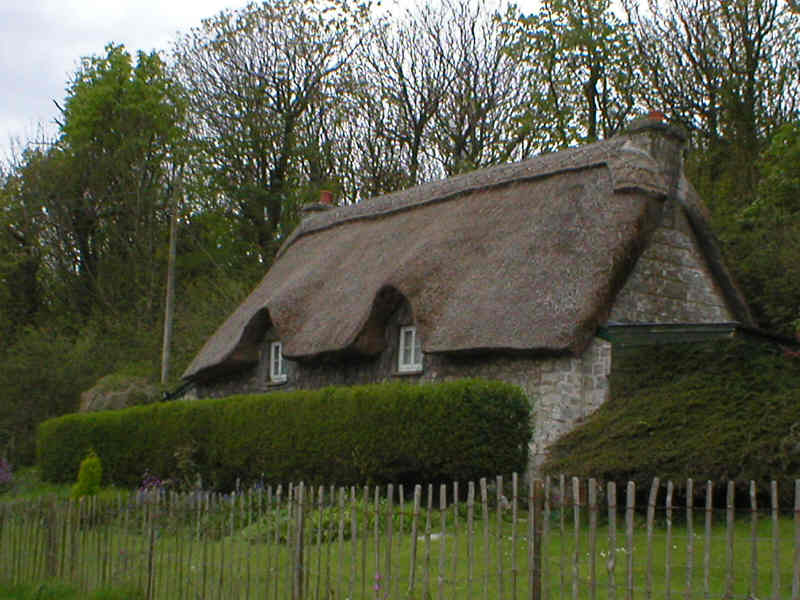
415, 364
277, 368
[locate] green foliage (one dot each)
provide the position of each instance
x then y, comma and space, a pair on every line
275, 523
376, 433
721, 410
56, 590
765, 241
90, 476
581, 69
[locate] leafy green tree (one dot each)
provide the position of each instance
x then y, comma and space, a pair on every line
729, 72
20, 259
766, 241
580, 67
121, 138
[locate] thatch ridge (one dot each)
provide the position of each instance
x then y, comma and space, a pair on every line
632, 169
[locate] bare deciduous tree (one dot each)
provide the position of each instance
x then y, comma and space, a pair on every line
253, 75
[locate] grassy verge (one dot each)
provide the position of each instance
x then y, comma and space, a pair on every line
28, 485
187, 550
55, 590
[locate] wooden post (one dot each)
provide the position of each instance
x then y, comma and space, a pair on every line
538, 527
169, 302
329, 545
668, 548
485, 515
729, 545
320, 503
776, 574
340, 545
592, 539
562, 555
150, 552
442, 540
426, 578
546, 537
470, 535
707, 544
796, 566
414, 533
377, 535
298, 555
753, 541
514, 499
689, 537
612, 539
454, 545
354, 540
51, 529
387, 575
651, 509
629, 502
501, 499
576, 555
365, 503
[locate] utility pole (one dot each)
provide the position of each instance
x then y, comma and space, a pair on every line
169, 304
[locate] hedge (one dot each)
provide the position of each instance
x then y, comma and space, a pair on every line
713, 411
392, 432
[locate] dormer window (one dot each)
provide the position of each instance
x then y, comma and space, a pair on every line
277, 364
410, 351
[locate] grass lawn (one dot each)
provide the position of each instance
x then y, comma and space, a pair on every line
236, 556
55, 590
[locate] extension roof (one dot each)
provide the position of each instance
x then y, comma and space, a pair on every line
526, 257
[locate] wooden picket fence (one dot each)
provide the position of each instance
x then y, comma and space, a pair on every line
506, 540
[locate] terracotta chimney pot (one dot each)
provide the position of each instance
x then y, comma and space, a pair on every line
326, 197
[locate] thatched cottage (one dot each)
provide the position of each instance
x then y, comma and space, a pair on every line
515, 272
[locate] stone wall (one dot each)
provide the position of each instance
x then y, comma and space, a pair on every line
671, 282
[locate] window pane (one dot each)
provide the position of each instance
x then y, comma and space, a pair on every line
277, 367
417, 351
406, 348
281, 362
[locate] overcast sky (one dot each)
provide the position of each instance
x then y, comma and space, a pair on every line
41, 42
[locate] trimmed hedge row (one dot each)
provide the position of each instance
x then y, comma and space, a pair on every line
392, 432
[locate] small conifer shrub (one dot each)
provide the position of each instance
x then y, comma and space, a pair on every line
90, 475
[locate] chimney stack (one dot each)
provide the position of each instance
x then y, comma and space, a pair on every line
661, 140
325, 203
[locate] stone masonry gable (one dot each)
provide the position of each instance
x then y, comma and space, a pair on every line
671, 282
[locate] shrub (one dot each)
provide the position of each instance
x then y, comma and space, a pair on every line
380, 433
711, 411
90, 476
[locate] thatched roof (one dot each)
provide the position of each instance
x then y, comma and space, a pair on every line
526, 257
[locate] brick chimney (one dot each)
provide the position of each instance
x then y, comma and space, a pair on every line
661, 140
325, 203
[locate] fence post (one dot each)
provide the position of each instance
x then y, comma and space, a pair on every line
51, 525
537, 510
297, 588
151, 547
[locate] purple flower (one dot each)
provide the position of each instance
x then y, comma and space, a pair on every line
6, 477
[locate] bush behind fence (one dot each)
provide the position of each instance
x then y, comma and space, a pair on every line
496, 538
